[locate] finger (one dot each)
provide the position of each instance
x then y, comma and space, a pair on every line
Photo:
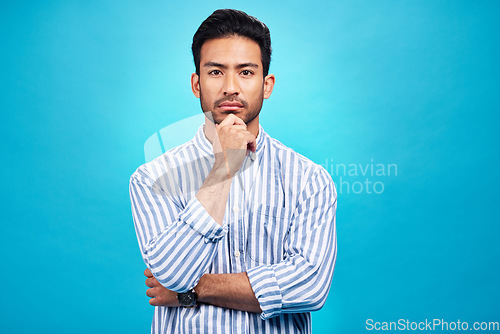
239, 127
234, 126
251, 142
232, 119
157, 299
151, 292
251, 147
147, 273
238, 121
155, 302
151, 282
247, 140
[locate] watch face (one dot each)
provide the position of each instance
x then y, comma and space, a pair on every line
187, 299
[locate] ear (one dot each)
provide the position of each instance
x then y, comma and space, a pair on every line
195, 84
268, 85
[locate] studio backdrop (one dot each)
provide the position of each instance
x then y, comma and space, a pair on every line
398, 100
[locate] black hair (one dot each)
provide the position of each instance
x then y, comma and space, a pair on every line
230, 22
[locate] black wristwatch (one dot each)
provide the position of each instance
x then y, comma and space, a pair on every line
187, 299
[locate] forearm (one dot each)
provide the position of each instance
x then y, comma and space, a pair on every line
231, 142
228, 290
214, 192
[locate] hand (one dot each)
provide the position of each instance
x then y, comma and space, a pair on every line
233, 140
160, 296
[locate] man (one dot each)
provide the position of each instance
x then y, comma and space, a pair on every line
237, 230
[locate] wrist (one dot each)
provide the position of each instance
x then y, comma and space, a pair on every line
220, 171
201, 289
228, 163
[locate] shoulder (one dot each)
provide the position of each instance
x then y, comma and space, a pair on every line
299, 176
165, 163
294, 163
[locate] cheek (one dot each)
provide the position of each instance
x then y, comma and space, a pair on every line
254, 91
211, 90
251, 85
207, 91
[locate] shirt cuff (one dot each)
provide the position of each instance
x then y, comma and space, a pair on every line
266, 289
196, 216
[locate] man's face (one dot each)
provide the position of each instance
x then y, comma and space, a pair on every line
231, 79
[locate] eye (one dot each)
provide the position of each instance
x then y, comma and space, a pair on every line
215, 72
246, 72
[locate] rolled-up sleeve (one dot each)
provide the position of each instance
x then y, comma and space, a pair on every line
177, 242
301, 282
195, 215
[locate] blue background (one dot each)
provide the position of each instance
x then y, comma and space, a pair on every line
413, 83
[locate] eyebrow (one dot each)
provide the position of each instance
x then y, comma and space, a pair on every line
247, 65
215, 64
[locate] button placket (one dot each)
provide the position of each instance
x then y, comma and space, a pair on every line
240, 211
237, 263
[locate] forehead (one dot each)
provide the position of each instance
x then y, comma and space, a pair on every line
230, 50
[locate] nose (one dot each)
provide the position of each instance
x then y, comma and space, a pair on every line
231, 86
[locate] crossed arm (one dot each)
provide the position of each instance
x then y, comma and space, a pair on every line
223, 290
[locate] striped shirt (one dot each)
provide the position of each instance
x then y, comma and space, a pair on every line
279, 228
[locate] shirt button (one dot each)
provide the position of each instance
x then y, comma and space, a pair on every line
235, 209
237, 254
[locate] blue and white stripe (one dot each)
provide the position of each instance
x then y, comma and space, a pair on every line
279, 227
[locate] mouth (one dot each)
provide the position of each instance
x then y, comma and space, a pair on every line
230, 106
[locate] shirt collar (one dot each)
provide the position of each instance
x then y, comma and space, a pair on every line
205, 146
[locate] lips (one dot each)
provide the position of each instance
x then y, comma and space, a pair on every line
230, 106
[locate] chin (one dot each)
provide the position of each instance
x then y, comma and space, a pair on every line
220, 117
